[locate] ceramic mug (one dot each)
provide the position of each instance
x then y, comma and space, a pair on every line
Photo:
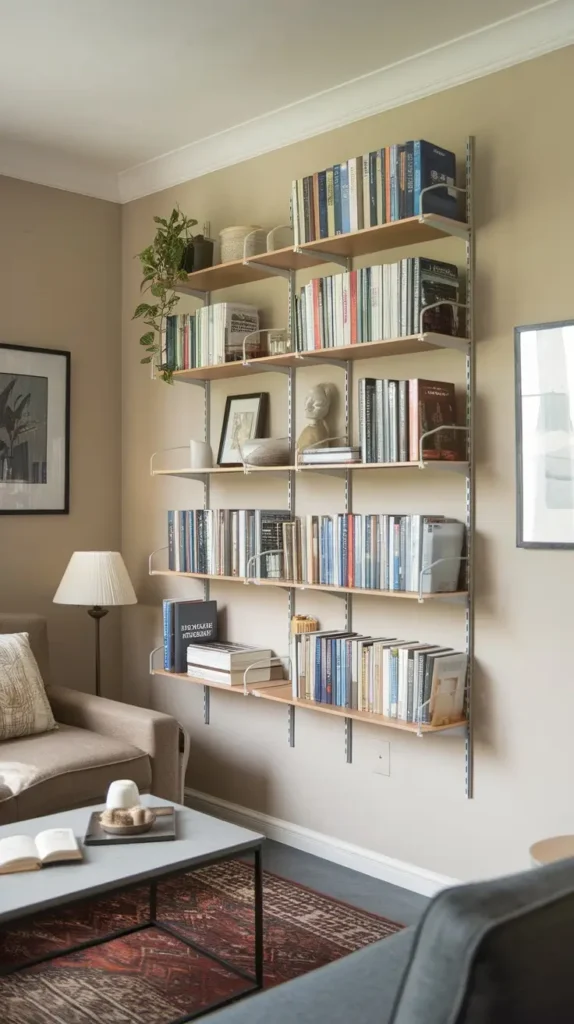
122, 795
200, 454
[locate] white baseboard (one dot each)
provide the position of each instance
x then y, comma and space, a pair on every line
369, 862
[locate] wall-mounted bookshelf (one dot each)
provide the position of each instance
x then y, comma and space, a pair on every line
286, 263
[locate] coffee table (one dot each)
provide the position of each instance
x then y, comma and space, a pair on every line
201, 840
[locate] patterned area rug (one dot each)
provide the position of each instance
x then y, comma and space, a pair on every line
149, 977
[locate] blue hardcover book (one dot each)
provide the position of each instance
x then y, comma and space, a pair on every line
410, 183
323, 226
337, 672
330, 553
431, 166
181, 542
168, 635
373, 211
343, 550
171, 540
345, 205
337, 198
367, 580
393, 182
393, 682
327, 680
396, 541
317, 654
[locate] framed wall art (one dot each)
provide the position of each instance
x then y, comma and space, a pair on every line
544, 369
34, 430
244, 418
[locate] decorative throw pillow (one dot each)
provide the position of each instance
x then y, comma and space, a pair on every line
24, 706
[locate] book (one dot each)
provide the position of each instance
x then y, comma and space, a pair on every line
236, 676
193, 622
26, 853
227, 656
431, 404
431, 166
441, 551
447, 688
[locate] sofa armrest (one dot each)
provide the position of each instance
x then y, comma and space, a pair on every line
153, 732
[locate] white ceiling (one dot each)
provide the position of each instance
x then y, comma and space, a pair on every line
96, 95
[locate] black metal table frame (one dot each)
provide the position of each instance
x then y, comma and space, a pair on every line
256, 980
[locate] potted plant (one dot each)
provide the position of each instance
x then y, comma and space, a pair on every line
162, 265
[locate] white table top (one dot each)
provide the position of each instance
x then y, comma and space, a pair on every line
199, 838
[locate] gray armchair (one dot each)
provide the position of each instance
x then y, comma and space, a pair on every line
97, 741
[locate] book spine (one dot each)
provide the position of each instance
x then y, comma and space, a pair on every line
171, 540
379, 422
366, 169
322, 191
167, 635
374, 212
295, 215
301, 209
417, 177
337, 199
307, 208
345, 208
402, 181
316, 211
410, 190
393, 422
403, 421
369, 419
330, 203
394, 682
402, 552
353, 208
353, 311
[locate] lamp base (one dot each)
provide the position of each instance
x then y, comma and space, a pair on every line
97, 613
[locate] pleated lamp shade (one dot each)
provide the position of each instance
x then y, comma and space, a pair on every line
96, 578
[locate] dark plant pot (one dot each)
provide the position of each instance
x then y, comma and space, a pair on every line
202, 252
198, 254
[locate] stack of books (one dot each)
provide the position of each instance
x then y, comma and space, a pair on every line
226, 663
223, 542
375, 552
378, 303
374, 188
213, 335
402, 680
394, 415
186, 622
330, 456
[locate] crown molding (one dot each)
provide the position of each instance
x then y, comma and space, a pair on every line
34, 163
547, 27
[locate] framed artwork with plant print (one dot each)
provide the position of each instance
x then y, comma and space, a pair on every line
34, 430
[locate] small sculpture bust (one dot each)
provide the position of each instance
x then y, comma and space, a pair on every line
317, 406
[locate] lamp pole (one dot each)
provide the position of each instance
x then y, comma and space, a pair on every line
97, 613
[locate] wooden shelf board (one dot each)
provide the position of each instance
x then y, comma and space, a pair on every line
290, 584
184, 677
284, 695
221, 471
431, 464
410, 231
411, 343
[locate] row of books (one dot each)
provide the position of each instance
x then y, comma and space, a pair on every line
378, 303
375, 188
394, 416
227, 542
403, 680
214, 334
375, 552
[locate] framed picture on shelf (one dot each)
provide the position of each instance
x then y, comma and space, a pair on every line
34, 430
544, 369
245, 417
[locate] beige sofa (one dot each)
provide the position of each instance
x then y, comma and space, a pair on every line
97, 741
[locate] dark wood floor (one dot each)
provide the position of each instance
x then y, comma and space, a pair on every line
341, 883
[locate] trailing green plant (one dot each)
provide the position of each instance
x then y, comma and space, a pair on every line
162, 268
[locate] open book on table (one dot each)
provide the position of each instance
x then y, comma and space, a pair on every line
24, 853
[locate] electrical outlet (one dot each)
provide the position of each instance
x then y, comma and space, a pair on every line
382, 765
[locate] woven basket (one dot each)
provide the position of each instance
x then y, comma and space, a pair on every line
234, 242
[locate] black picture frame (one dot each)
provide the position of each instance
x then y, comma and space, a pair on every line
555, 417
260, 421
17, 496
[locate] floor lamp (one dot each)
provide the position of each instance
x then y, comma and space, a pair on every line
96, 579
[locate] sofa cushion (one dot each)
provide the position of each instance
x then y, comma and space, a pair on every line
358, 989
35, 627
74, 767
497, 952
24, 706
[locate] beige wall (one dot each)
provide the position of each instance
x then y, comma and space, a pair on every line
60, 288
524, 680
